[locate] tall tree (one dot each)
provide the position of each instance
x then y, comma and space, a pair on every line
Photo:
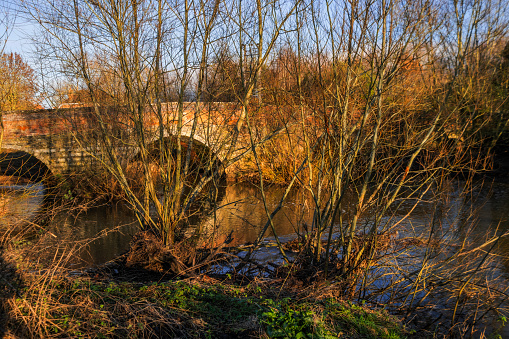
18, 83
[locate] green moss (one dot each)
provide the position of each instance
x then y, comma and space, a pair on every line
362, 322
82, 307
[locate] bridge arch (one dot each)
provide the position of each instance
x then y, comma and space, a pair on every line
201, 153
23, 163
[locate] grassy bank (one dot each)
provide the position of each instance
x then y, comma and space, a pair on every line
52, 305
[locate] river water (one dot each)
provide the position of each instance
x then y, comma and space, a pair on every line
241, 215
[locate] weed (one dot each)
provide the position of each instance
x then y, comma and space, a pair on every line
363, 322
289, 323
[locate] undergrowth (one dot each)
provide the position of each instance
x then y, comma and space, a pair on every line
55, 306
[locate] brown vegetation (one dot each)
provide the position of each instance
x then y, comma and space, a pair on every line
384, 100
18, 84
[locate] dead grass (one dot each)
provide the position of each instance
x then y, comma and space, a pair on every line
47, 300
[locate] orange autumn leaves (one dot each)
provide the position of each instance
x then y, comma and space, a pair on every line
18, 84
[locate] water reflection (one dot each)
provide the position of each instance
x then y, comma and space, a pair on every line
20, 203
241, 215
106, 231
494, 211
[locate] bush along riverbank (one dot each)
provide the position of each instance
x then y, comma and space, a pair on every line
42, 298
122, 300
187, 292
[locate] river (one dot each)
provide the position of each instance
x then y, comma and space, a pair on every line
240, 216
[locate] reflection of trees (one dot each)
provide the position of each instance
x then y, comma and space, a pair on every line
241, 213
495, 215
101, 234
486, 208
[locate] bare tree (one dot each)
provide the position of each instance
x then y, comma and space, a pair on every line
383, 99
140, 46
18, 85
391, 107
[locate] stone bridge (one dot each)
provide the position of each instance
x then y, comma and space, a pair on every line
65, 140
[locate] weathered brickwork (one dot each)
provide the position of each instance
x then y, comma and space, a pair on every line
55, 136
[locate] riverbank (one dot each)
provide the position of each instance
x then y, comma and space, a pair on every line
54, 303
118, 299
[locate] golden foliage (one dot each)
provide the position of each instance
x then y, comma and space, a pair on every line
18, 85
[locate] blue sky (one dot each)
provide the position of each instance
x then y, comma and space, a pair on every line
19, 34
